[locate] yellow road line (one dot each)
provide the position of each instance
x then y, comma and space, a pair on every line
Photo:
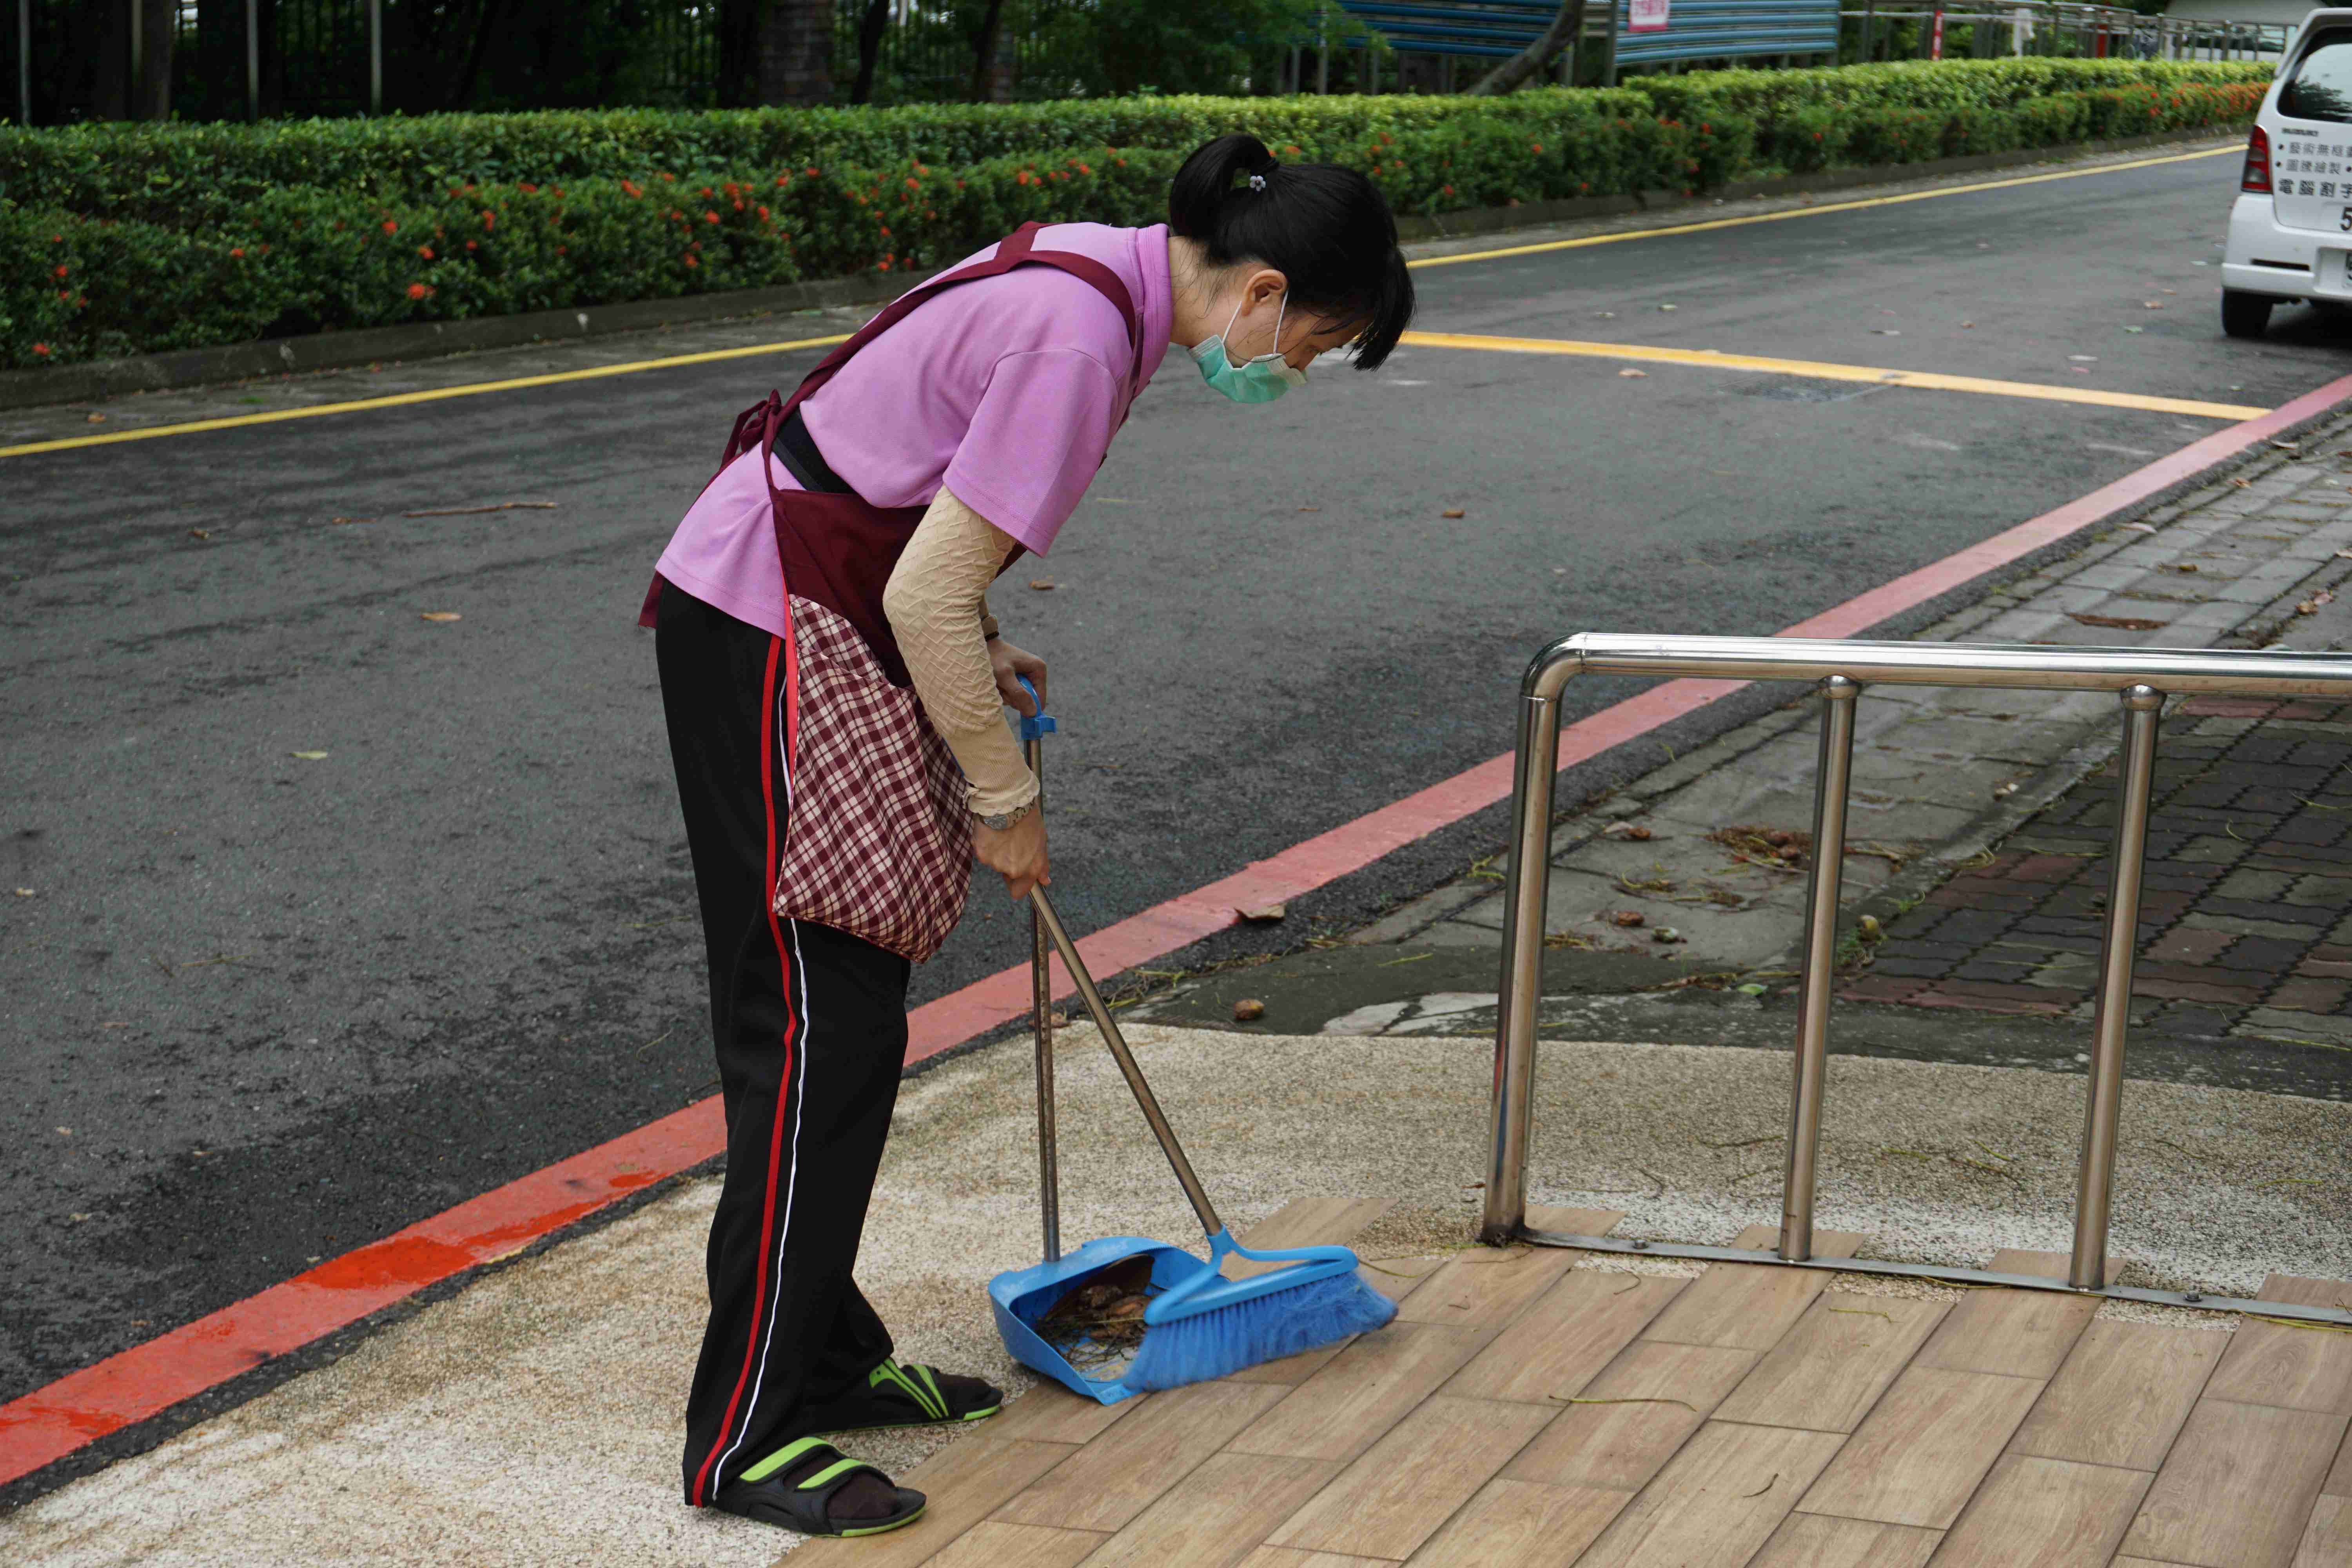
432, 394
514, 383
1819, 371
1854, 206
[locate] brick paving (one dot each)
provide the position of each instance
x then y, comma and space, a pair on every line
2246, 912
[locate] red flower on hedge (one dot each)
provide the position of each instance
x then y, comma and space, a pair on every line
418, 290
62, 270
629, 187
425, 252
42, 349
529, 188
763, 215
390, 226
236, 250
691, 262
709, 218
470, 244
489, 220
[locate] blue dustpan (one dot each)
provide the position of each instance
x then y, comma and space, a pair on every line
1023, 1297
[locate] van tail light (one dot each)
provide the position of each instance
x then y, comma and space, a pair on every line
2257, 178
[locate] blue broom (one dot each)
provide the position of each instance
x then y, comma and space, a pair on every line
1206, 1325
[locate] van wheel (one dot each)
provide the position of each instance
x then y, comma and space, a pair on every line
2245, 315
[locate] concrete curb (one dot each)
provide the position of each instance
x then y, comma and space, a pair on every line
333, 350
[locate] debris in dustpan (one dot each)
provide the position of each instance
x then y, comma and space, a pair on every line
1098, 1325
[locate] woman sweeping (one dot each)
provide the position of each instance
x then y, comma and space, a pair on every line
839, 738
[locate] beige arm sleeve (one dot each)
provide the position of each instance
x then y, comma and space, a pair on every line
935, 599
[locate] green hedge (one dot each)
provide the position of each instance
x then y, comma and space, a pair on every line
123, 239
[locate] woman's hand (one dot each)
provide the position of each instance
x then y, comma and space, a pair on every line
1018, 852
1010, 663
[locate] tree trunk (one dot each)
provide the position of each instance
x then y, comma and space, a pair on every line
1564, 30
159, 24
991, 79
870, 49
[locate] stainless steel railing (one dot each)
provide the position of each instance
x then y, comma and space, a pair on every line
2141, 679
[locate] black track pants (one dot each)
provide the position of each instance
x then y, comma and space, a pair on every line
811, 1027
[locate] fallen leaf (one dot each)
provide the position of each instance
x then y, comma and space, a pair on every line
2078, 369
344, 519
2135, 329
1868, 928
1631, 374
1264, 915
439, 615
1629, 919
1310, 509
2311, 605
2084, 359
1043, 585
200, 533
2151, 304
1665, 307
65, 1131
2121, 623
1249, 1009
2003, 792
2288, 446
1633, 830
308, 756
1666, 934
2138, 527
2244, 484
1968, 326
96, 419
1450, 511
1751, 989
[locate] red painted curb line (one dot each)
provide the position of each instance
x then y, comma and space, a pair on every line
147, 1379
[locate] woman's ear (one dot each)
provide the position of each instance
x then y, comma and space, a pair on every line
1266, 284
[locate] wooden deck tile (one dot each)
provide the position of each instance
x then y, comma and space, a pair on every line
1620, 1447
1573, 1222
1217, 1515
1718, 1502
1409, 1482
2021, 1333
964, 1481
1305, 1222
2327, 1543
1574, 1330
2051, 1265
992, 1545
2339, 1480
1486, 1289
2238, 1487
1818, 1541
1284, 1557
1925, 1449
2147, 1563
1397, 1278
1829, 1369
2045, 1513
1051, 1414
2122, 1395
2295, 1368
1750, 1305
1110, 1481
1366, 1388
1511, 1522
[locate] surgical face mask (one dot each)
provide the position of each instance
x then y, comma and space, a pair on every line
1259, 380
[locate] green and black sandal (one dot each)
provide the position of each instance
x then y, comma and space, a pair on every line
897, 1394
797, 1485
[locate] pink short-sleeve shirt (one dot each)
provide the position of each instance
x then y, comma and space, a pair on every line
1005, 389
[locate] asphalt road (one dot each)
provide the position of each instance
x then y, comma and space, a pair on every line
262, 1006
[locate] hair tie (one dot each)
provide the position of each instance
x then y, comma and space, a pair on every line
1257, 182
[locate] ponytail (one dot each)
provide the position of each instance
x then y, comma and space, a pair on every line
1325, 228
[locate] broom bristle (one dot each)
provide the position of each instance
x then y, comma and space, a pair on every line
1264, 1328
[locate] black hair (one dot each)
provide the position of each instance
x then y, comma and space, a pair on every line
1325, 228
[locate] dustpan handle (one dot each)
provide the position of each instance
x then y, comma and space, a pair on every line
1044, 908
1035, 726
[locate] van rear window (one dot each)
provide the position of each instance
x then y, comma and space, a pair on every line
2321, 88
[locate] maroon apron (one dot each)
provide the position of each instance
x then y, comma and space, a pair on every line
877, 841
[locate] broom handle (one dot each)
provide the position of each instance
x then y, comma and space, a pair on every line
1041, 1013
1043, 907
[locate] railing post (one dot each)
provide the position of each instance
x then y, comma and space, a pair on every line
1830, 789
2143, 705
1520, 992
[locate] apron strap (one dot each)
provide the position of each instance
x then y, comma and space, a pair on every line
1015, 249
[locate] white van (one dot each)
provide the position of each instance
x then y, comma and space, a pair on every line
2291, 230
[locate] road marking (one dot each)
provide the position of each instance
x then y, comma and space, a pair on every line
631, 367
132, 1386
431, 395
1857, 204
1817, 370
